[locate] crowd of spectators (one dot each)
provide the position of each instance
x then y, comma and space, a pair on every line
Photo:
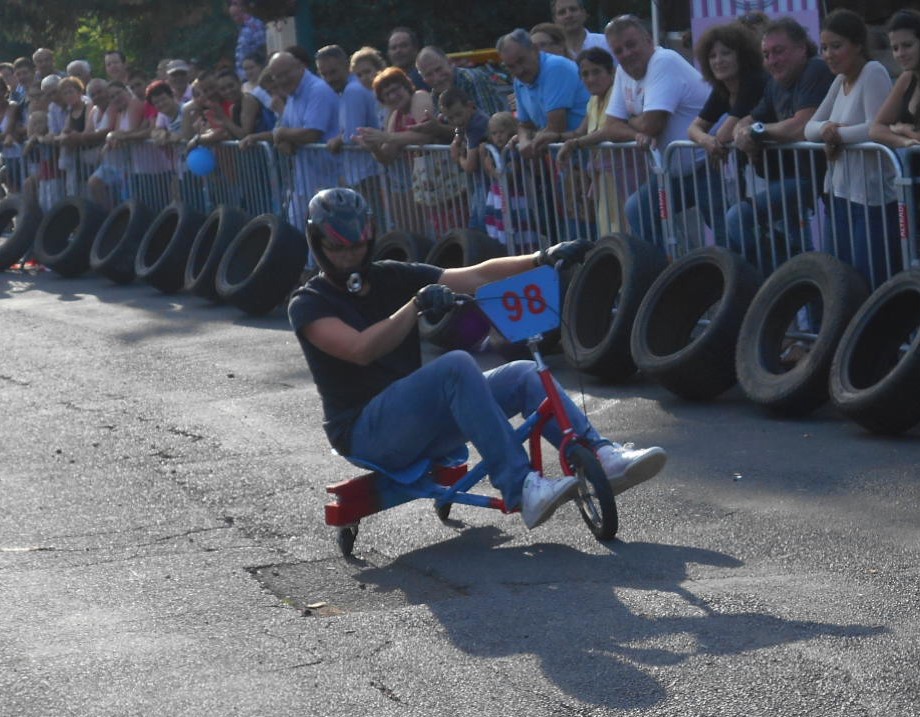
757, 81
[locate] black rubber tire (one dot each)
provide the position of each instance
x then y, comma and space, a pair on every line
465, 326
443, 512
871, 381
464, 247
261, 265
19, 222
401, 246
208, 247
345, 539
66, 234
601, 305
164, 249
114, 249
595, 499
665, 343
811, 279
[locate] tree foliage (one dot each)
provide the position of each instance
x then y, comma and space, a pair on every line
149, 30
145, 30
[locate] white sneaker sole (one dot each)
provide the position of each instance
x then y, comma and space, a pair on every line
640, 471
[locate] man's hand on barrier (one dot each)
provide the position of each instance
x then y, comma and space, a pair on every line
717, 150
543, 139
645, 141
745, 142
434, 301
564, 254
335, 144
280, 135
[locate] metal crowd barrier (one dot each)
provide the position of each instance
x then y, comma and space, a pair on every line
678, 199
774, 206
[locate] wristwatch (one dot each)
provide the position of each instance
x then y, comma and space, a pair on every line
758, 131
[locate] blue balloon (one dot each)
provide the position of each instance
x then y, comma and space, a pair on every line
201, 161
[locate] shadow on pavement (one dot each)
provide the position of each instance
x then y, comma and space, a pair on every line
544, 600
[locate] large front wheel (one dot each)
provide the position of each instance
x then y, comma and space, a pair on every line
595, 498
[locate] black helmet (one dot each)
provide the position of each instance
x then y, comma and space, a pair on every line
341, 216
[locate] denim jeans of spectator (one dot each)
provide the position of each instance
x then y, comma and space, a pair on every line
450, 401
867, 237
701, 188
784, 206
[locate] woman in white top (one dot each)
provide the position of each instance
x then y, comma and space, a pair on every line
862, 223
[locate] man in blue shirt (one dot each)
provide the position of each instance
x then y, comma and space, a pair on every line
311, 115
551, 98
357, 108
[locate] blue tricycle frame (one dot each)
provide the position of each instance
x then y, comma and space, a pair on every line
524, 312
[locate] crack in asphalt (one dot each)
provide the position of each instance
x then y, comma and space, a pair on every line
14, 381
386, 691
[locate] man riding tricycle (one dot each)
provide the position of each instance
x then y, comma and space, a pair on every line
356, 322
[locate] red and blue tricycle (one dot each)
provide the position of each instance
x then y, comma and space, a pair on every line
521, 308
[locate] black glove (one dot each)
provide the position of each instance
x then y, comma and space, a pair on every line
434, 301
565, 253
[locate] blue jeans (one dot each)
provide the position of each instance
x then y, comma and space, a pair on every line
793, 195
450, 401
869, 239
700, 188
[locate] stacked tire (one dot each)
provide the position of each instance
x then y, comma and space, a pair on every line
114, 250
19, 222
66, 234
827, 292
261, 265
688, 323
208, 248
164, 249
601, 303
401, 246
464, 327
875, 373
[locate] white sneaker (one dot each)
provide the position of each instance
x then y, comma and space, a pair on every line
627, 466
543, 495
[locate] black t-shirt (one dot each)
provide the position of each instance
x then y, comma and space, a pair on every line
781, 102
750, 92
345, 388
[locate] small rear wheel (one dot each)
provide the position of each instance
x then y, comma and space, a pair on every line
595, 498
346, 539
443, 511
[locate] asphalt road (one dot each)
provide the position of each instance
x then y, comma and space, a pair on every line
163, 551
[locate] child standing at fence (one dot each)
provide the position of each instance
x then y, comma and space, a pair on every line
470, 125
506, 188
439, 186
42, 184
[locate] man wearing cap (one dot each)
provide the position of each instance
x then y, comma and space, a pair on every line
177, 78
